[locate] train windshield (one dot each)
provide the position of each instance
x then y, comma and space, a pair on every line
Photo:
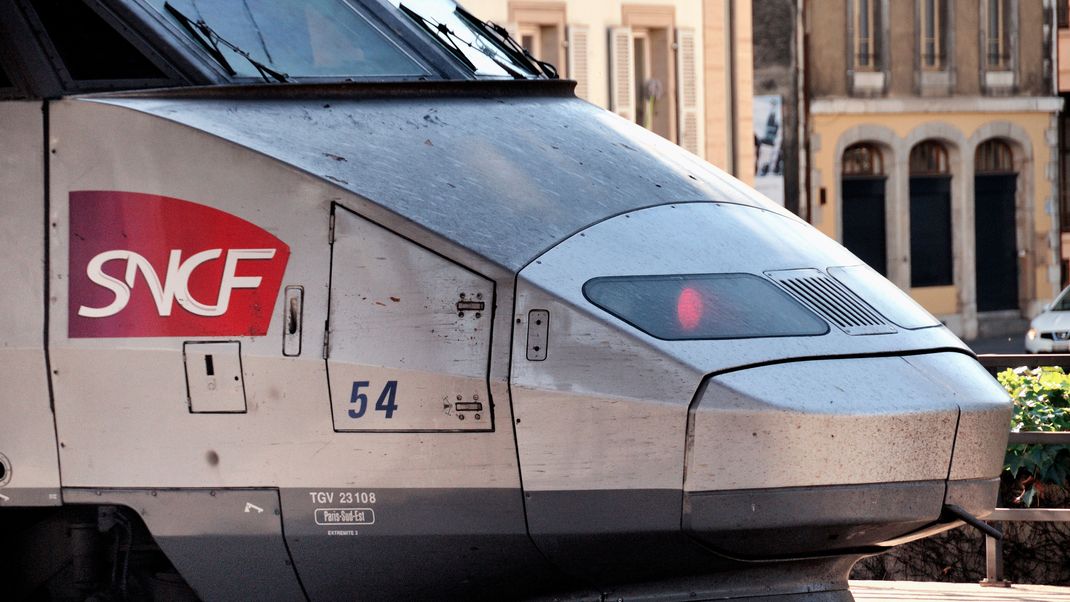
279, 41
482, 47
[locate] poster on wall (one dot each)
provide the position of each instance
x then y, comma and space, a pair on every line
768, 121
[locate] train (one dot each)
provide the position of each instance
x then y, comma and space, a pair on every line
356, 300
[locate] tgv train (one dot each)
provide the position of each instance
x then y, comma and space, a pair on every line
339, 299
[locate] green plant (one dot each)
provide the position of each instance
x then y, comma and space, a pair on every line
1041, 403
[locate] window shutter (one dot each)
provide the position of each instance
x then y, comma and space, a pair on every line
621, 73
687, 95
577, 58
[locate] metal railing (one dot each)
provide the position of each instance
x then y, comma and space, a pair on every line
993, 546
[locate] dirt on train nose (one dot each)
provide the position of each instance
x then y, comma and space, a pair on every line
819, 455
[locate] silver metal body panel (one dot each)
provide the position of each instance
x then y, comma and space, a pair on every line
27, 431
608, 406
121, 402
397, 335
984, 413
227, 544
823, 422
500, 176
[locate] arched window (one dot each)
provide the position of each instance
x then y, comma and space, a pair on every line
928, 158
863, 184
863, 160
994, 157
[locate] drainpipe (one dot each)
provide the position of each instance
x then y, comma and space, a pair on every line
802, 107
730, 86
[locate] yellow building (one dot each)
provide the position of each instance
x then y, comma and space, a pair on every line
933, 150
681, 68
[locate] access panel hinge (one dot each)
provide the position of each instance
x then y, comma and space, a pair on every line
326, 339
330, 230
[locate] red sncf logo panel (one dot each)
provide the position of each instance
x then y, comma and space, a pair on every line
144, 265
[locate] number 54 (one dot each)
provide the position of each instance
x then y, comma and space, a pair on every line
385, 403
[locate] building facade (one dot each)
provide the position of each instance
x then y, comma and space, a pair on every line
682, 68
1062, 62
777, 95
932, 150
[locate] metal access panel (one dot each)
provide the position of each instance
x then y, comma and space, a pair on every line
29, 469
214, 377
409, 335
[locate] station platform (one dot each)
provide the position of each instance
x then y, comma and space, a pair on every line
897, 591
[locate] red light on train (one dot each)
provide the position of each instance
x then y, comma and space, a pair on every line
689, 308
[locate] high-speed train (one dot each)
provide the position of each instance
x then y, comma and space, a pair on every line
353, 300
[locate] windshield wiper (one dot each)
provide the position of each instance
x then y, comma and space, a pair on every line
210, 41
441, 32
515, 50
448, 37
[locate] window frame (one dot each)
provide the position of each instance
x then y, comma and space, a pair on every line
873, 26
944, 35
1002, 150
872, 79
937, 79
171, 75
1003, 34
655, 21
1001, 78
873, 151
535, 18
942, 158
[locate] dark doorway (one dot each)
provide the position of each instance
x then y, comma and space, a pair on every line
930, 216
995, 227
863, 221
862, 188
930, 231
997, 253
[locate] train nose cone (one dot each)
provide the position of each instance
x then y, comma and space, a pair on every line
819, 455
681, 405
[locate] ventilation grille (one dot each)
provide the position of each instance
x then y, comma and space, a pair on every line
833, 301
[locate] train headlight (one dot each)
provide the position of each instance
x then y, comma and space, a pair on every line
703, 306
1031, 334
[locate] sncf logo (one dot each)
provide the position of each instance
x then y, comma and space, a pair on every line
150, 266
175, 286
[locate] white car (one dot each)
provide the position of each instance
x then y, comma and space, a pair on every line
1049, 332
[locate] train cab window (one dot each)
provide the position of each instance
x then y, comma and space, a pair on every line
89, 48
5, 81
311, 39
467, 38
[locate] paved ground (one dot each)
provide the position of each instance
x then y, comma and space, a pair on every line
896, 591
1001, 344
